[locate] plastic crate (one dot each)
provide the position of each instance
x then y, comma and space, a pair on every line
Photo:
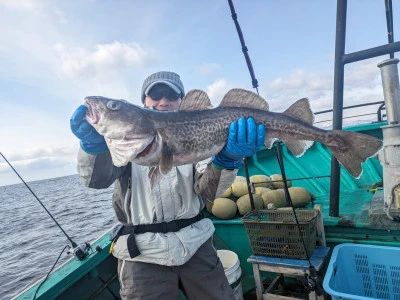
363, 272
275, 232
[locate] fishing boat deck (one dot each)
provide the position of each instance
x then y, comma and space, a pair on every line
361, 217
361, 220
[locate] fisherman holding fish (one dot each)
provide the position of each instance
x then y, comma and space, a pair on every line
162, 241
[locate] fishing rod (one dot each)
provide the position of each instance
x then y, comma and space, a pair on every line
254, 82
245, 50
80, 251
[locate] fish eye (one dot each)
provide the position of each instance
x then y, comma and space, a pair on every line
113, 105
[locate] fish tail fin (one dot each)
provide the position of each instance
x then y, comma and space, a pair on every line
351, 149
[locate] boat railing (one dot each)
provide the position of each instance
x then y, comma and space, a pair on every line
380, 113
341, 59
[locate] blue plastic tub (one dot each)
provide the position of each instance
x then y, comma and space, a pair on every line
363, 272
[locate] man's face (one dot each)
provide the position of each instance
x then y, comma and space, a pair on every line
162, 97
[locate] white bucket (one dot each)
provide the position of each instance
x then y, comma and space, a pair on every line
231, 264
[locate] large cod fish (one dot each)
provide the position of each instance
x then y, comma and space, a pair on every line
197, 131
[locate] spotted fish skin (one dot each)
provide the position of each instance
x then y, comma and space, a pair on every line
197, 131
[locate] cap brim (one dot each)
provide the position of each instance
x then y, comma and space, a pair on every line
170, 84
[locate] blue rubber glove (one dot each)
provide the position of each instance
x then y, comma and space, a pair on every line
91, 141
245, 138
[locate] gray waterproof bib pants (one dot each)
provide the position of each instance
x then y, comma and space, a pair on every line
202, 277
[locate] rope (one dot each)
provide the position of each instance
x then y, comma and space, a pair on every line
48, 274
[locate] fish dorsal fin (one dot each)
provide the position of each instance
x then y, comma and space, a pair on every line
301, 110
243, 98
195, 100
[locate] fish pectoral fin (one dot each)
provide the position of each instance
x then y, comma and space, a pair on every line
301, 110
269, 142
166, 160
298, 147
154, 176
195, 100
244, 98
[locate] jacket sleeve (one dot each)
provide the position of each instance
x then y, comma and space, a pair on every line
210, 182
97, 171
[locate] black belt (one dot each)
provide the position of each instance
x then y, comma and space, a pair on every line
164, 227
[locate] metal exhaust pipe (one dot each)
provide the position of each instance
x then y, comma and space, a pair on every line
391, 89
390, 155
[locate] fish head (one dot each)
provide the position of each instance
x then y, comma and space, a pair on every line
128, 132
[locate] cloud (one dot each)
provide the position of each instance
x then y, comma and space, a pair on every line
60, 16
363, 73
39, 163
34, 164
42, 153
28, 31
217, 90
298, 84
37, 142
105, 59
36, 170
40, 9
23, 5
208, 68
362, 84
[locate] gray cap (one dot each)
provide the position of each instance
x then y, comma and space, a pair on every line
169, 78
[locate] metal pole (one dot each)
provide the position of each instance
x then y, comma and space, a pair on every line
391, 89
389, 22
390, 158
371, 52
338, 100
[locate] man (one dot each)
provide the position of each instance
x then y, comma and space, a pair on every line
170, 247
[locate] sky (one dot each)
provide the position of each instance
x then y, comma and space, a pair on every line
54, 53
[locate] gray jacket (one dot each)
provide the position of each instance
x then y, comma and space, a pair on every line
180, 194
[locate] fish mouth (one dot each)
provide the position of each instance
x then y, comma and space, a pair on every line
147, 149
93, 115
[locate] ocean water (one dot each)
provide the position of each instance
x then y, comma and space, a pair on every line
31, 241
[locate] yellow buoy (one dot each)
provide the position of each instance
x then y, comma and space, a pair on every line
209, 206
224, 208
300, 196
244, 205
259, 190
276, 197
239, 188
239, 178
261, 181
279, 184
227, 193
